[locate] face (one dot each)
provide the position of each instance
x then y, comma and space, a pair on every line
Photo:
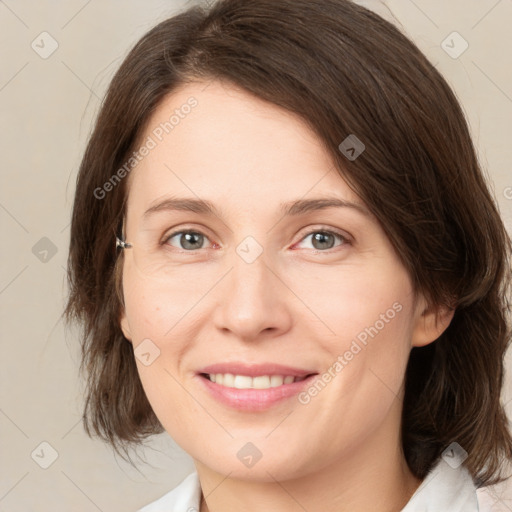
251, 286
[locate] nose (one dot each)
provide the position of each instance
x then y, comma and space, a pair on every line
253, 301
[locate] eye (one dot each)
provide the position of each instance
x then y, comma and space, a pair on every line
190, 240
187, 240
323, 239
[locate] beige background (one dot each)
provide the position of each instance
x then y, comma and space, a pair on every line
47, 106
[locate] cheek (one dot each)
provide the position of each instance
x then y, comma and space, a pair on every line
157, 317
151, 308
149, 316
157, 305
366, 327
371, 315
357, 299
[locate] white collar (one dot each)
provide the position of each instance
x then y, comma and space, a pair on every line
444, 489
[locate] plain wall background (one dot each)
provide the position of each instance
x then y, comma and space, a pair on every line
47, 106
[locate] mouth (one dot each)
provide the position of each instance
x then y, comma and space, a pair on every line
253, 387
230, 380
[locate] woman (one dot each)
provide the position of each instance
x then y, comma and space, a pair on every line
307, 288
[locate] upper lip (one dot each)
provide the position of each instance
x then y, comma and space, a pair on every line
255, 370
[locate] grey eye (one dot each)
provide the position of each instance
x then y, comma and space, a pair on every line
188, 240
323, 240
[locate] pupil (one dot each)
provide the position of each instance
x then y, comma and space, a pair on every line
191, 240
321, 239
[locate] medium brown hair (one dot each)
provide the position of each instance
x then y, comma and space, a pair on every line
344, 70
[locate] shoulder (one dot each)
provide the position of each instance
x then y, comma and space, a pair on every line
185, 497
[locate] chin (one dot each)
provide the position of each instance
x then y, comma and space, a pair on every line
265, 469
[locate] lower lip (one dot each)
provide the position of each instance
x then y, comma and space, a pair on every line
253, 399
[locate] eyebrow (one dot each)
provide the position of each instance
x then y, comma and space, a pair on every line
291, 208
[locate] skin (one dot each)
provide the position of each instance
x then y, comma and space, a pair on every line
294, 305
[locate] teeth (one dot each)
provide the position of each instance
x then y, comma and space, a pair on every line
245, 382
238, 381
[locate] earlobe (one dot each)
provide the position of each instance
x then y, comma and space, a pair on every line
430, 323
123, 321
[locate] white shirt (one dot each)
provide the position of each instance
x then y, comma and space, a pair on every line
444, 489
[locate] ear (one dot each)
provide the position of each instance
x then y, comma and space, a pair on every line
430, 322
125, 327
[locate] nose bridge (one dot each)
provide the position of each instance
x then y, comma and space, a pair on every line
251, 284
250, 274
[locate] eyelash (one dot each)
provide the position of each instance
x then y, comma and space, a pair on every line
345, 240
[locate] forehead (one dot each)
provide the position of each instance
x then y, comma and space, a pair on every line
219, 142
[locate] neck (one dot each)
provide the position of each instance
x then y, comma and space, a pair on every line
372, 476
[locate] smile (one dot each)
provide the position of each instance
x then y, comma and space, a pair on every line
252, 394
247, 382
